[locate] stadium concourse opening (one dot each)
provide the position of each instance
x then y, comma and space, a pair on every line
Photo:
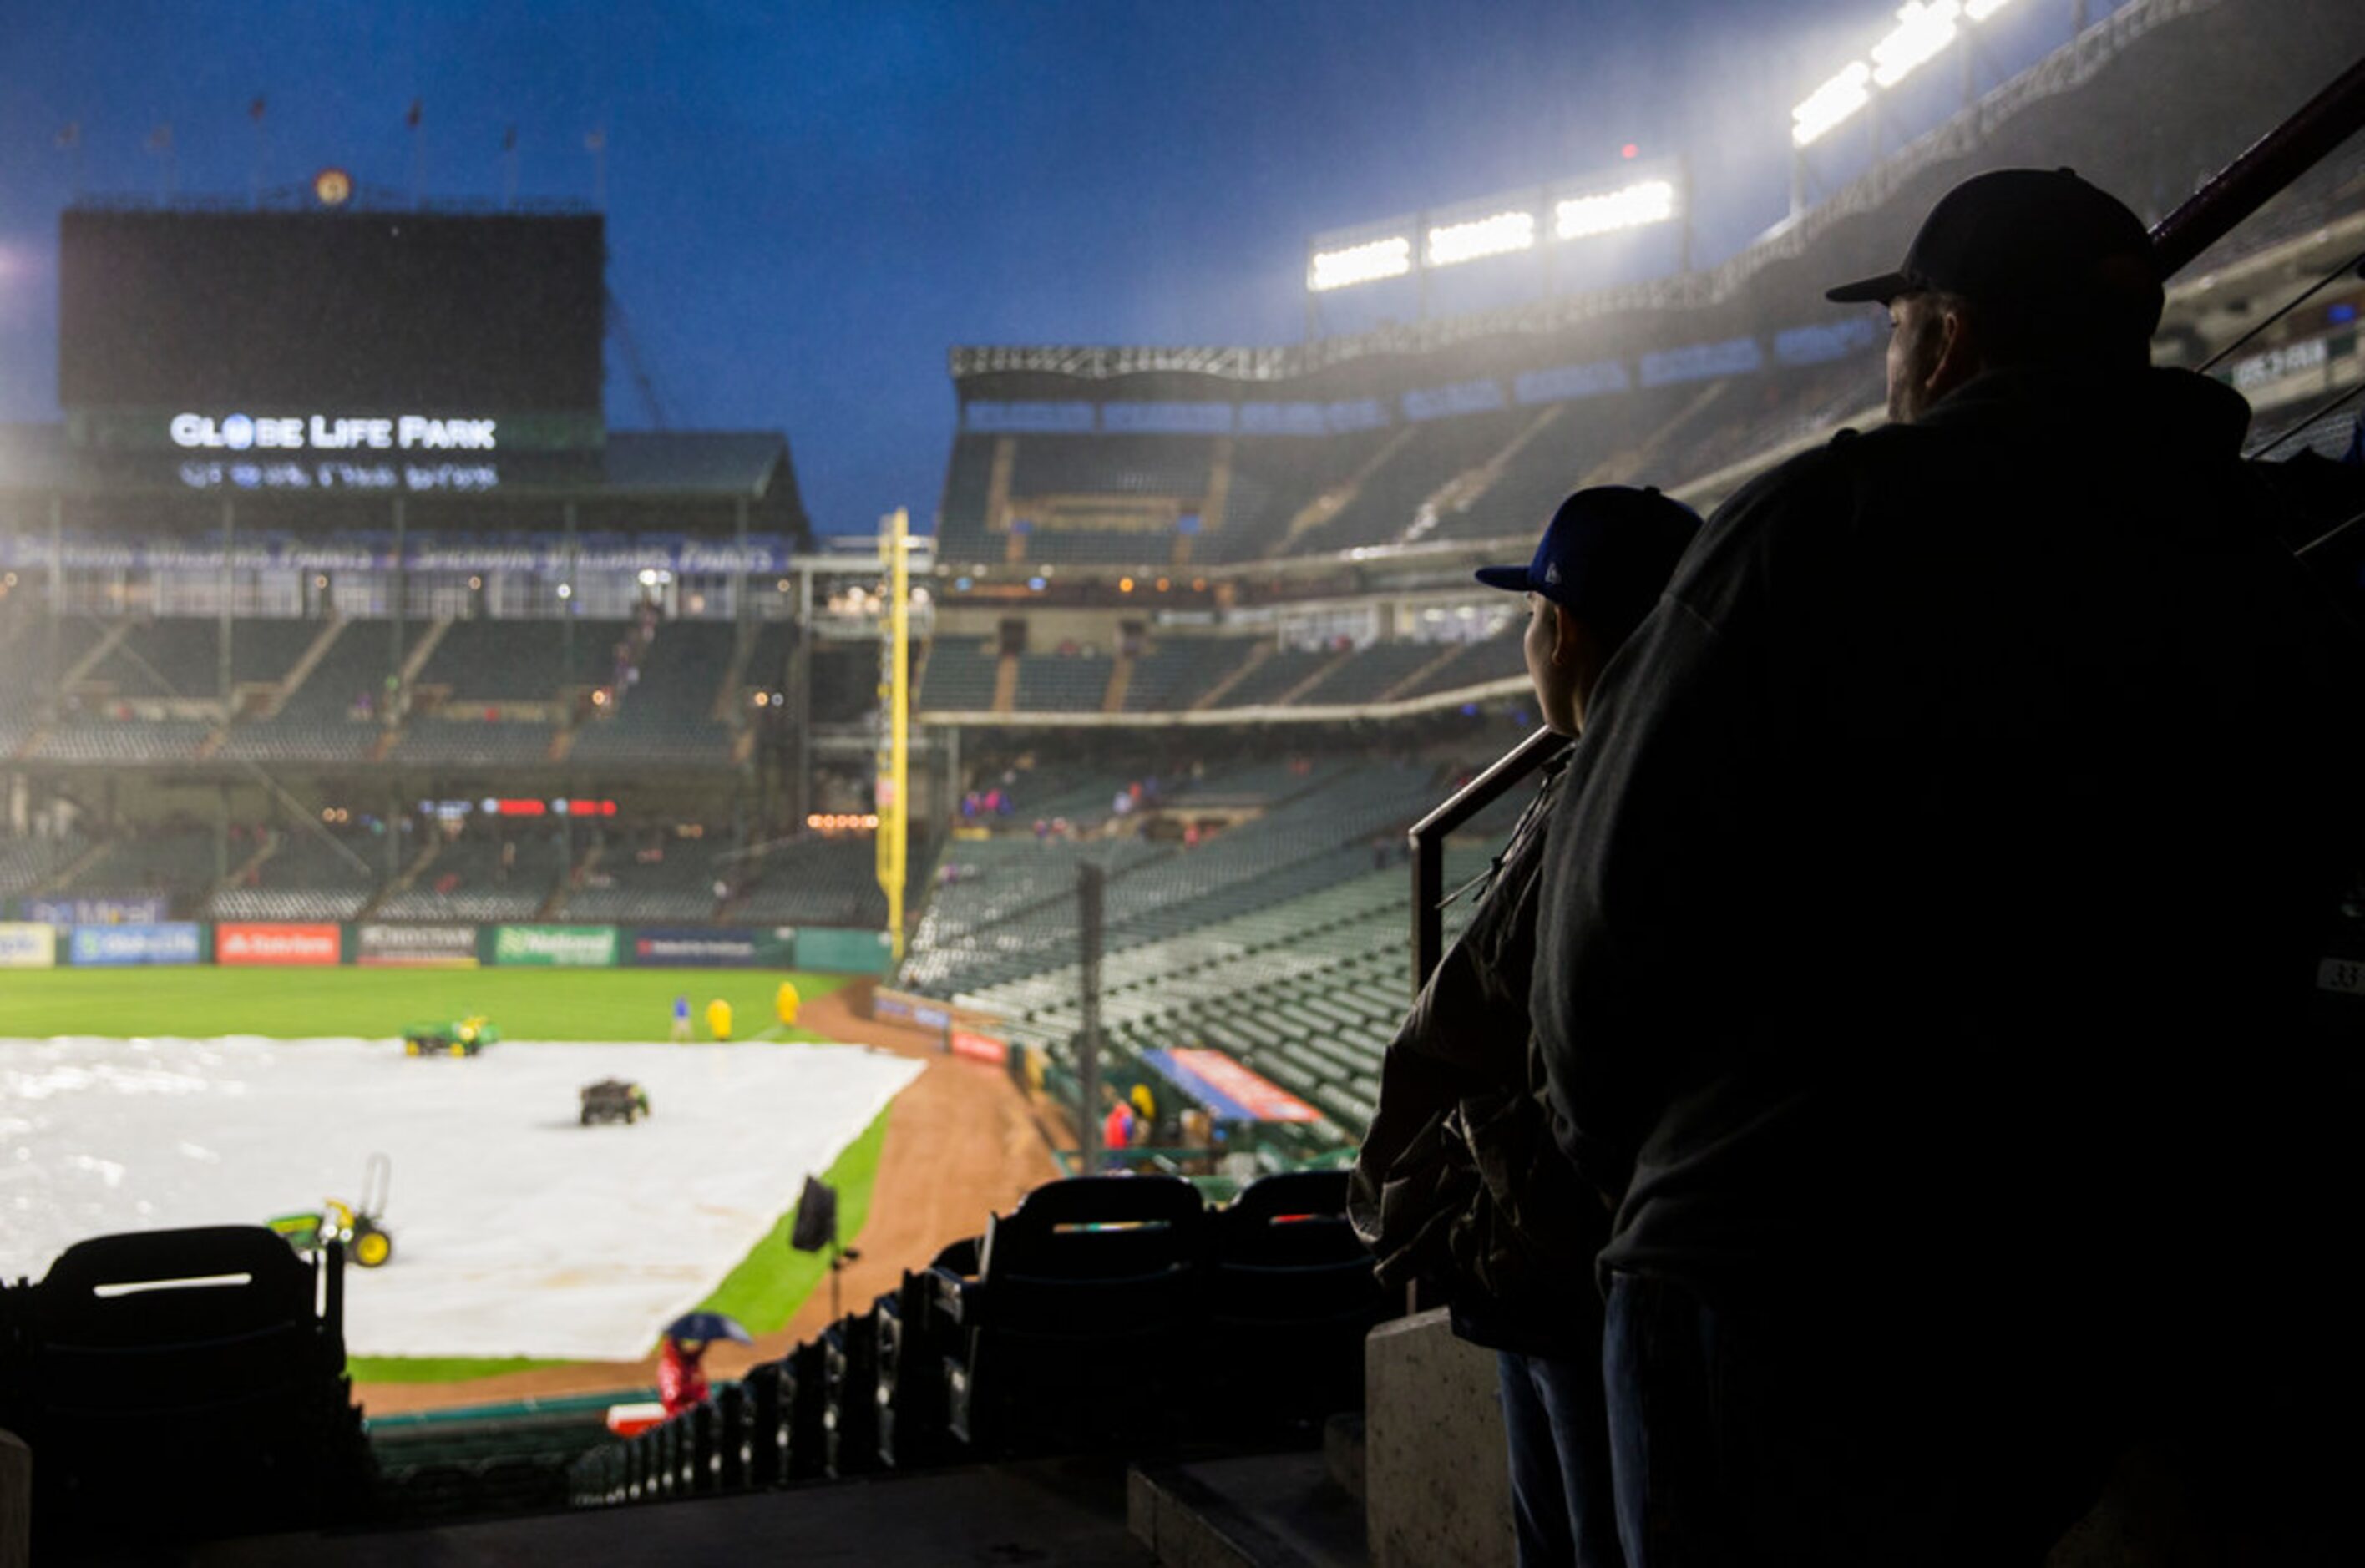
360, 692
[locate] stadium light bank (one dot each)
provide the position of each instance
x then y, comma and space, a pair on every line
1521, 221
1924, 29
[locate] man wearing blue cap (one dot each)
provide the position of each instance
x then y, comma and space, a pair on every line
1925, 927
1457, 1184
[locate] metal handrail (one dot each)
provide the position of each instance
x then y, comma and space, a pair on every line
2232, 194
1428, 835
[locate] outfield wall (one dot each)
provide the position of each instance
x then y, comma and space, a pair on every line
37, 944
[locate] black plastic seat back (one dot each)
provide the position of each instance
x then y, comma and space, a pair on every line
850, 1414
731, 1437
193, 1365
804, 1396
1291, 1297
1080, 1326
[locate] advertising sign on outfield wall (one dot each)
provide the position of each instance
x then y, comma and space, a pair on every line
904, 1007
691, 947
246, 942
27, 945
978, 1046
555, 947
168, 942
143, 910
415, 947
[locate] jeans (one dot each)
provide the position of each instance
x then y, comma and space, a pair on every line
1860, 1432
1557, 1428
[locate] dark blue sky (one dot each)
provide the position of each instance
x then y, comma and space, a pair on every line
809, 204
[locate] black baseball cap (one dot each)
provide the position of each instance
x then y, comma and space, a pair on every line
1606, 555
2040, 239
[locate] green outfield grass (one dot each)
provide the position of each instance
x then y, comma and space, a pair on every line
374, 1003
763, 1293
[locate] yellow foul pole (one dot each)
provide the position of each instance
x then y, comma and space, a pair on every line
895, 716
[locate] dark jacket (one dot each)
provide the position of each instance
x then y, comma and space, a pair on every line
1943, 857
1460, 1184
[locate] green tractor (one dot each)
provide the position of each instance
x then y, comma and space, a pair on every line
455, 1037
360, 1227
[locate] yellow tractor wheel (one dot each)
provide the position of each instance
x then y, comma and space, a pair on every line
373, 1248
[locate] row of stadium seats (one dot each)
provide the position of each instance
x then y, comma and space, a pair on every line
26, 863
1306, 993
1102, 1314
1489, 475
1011, 911
1238, 672
323, 873
335, 714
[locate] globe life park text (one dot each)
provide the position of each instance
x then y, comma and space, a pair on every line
323, 433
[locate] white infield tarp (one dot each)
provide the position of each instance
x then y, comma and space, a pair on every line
517, 1231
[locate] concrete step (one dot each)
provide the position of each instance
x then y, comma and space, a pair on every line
1044, 1513
1342, 1450
1280, 1510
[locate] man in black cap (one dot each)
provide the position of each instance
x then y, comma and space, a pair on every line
1458, 1185
1923, 925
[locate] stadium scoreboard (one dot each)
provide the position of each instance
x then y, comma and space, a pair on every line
394, 332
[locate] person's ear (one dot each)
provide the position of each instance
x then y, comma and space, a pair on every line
1564, 635
1961, 354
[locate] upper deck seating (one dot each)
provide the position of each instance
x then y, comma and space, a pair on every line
666, 714
335, 715
1178, 672
1062, 682
958, 677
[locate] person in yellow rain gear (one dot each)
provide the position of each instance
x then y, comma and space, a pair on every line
1145, 1113
718, 1019
785, 1002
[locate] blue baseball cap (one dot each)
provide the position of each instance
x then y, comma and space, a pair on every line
1606, 553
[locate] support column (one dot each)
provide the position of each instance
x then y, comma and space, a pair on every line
57, 588
567, 606
742, 624
229, 597
391, 715
394, 821
797, 772
1090, 882
221, 835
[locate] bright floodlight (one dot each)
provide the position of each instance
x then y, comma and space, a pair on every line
1493, 235
1980, 10
1645, 201
1922, 29
1352, 264
1832, 102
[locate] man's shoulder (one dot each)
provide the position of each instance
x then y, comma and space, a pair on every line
1818, 496
1848, 463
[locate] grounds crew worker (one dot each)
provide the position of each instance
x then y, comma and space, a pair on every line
718, 1019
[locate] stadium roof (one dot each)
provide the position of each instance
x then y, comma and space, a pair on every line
2231, 70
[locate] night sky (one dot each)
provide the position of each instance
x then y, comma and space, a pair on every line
809, 204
